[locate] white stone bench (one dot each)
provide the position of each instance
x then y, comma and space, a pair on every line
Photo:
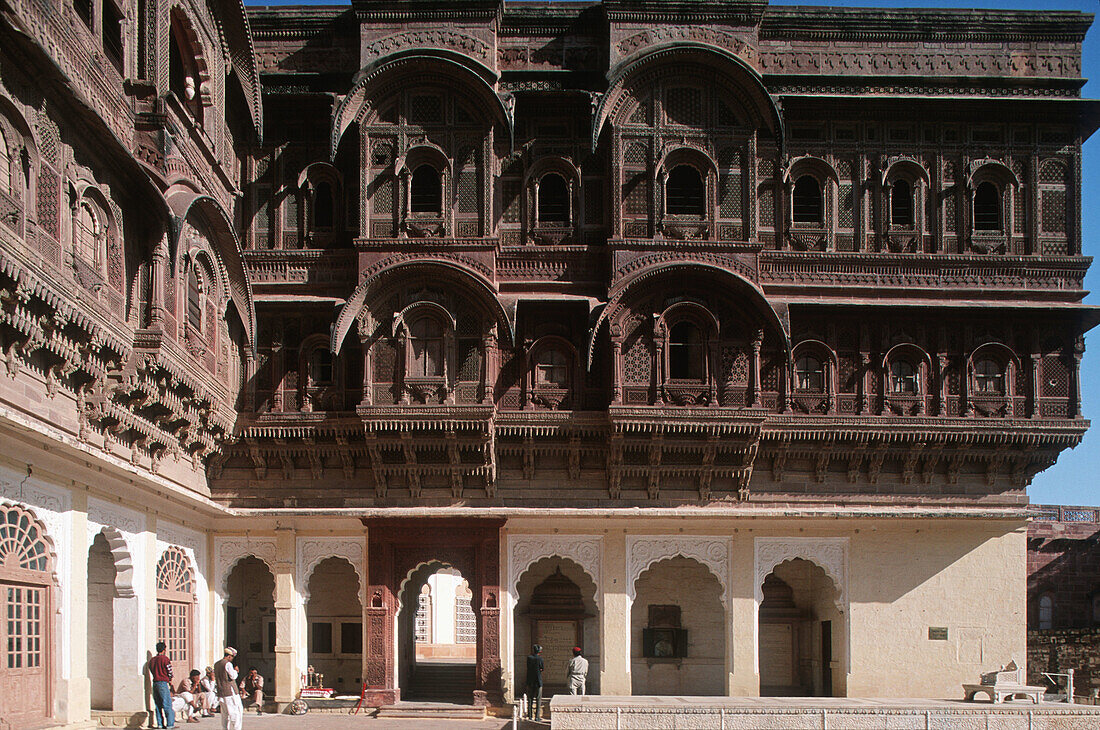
1004, 684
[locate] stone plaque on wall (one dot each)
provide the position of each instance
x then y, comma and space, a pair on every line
557, 639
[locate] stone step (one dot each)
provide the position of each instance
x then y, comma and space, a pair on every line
432, 710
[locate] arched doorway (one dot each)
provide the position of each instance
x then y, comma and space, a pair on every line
101, 623
678, 631
557, 609
800, 632
26, 636
437, 636
176, 609
250, 618
334, 616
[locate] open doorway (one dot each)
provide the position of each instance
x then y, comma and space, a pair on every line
437, 631
799, 624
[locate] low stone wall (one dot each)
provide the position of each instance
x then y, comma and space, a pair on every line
761, 713
1056, 650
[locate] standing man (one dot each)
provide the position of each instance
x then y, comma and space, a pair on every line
160, 667
225, 677
534, 684
578, 672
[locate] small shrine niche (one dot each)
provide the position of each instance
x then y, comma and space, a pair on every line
557, 619
664, 637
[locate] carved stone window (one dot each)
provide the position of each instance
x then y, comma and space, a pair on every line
686, 355
321, 367
904, 378
552, 369
188, 78
426, 191
989, 377
112, 34
5, 165
323, 206
85, 11
426, 348
553, 199
809, 375
90, 235
685, 192
553, 372
807, 201
196, 290
901, 204
987, 208
1046, 611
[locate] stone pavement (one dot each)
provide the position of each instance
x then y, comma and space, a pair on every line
343, 721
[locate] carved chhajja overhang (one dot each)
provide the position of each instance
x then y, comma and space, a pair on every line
915, 448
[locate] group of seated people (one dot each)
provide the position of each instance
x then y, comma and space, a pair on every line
197, 695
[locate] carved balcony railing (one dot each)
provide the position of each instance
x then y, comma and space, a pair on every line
312, 267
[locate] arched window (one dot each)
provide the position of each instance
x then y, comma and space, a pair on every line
321, 367
901, 203
179, 81
112, 34
685, 193
552, 369
323, 206
807, 204
1046, 611
809, 374
88, 233
195, 286
5, 165
426, 348
685, 352
553, 199
987, 208
903, 378
989, 377
175, 608
426, 190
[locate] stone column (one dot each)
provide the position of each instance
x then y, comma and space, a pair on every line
614, 617
741, 620
151, 557
78, 699
287, 676
757, 385
379, 617
487, 684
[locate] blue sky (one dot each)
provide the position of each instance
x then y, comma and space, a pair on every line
1073, 479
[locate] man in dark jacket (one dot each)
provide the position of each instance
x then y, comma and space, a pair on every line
534, 684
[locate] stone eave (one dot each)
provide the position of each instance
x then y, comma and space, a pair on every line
906, 24
735, 12
288, 22
540, 19
720, 509
426, 10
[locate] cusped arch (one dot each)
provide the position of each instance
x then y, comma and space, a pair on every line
828, 553
523, 552
814, 347
123, 561
654, 267
998, 350
907, 350
590, 590
311, 551
184, 203
308, 575
476, 282
643, 552
231, 551
428, 568
730, 68
447, 65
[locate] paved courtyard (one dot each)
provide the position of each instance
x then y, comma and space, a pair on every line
343, 721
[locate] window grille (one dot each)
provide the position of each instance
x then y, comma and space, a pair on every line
465, 622
685, 191
423, 619
901, 204
989, 377
987, 208
427, 190
807, 204
553, 199
809, 374
685, 352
